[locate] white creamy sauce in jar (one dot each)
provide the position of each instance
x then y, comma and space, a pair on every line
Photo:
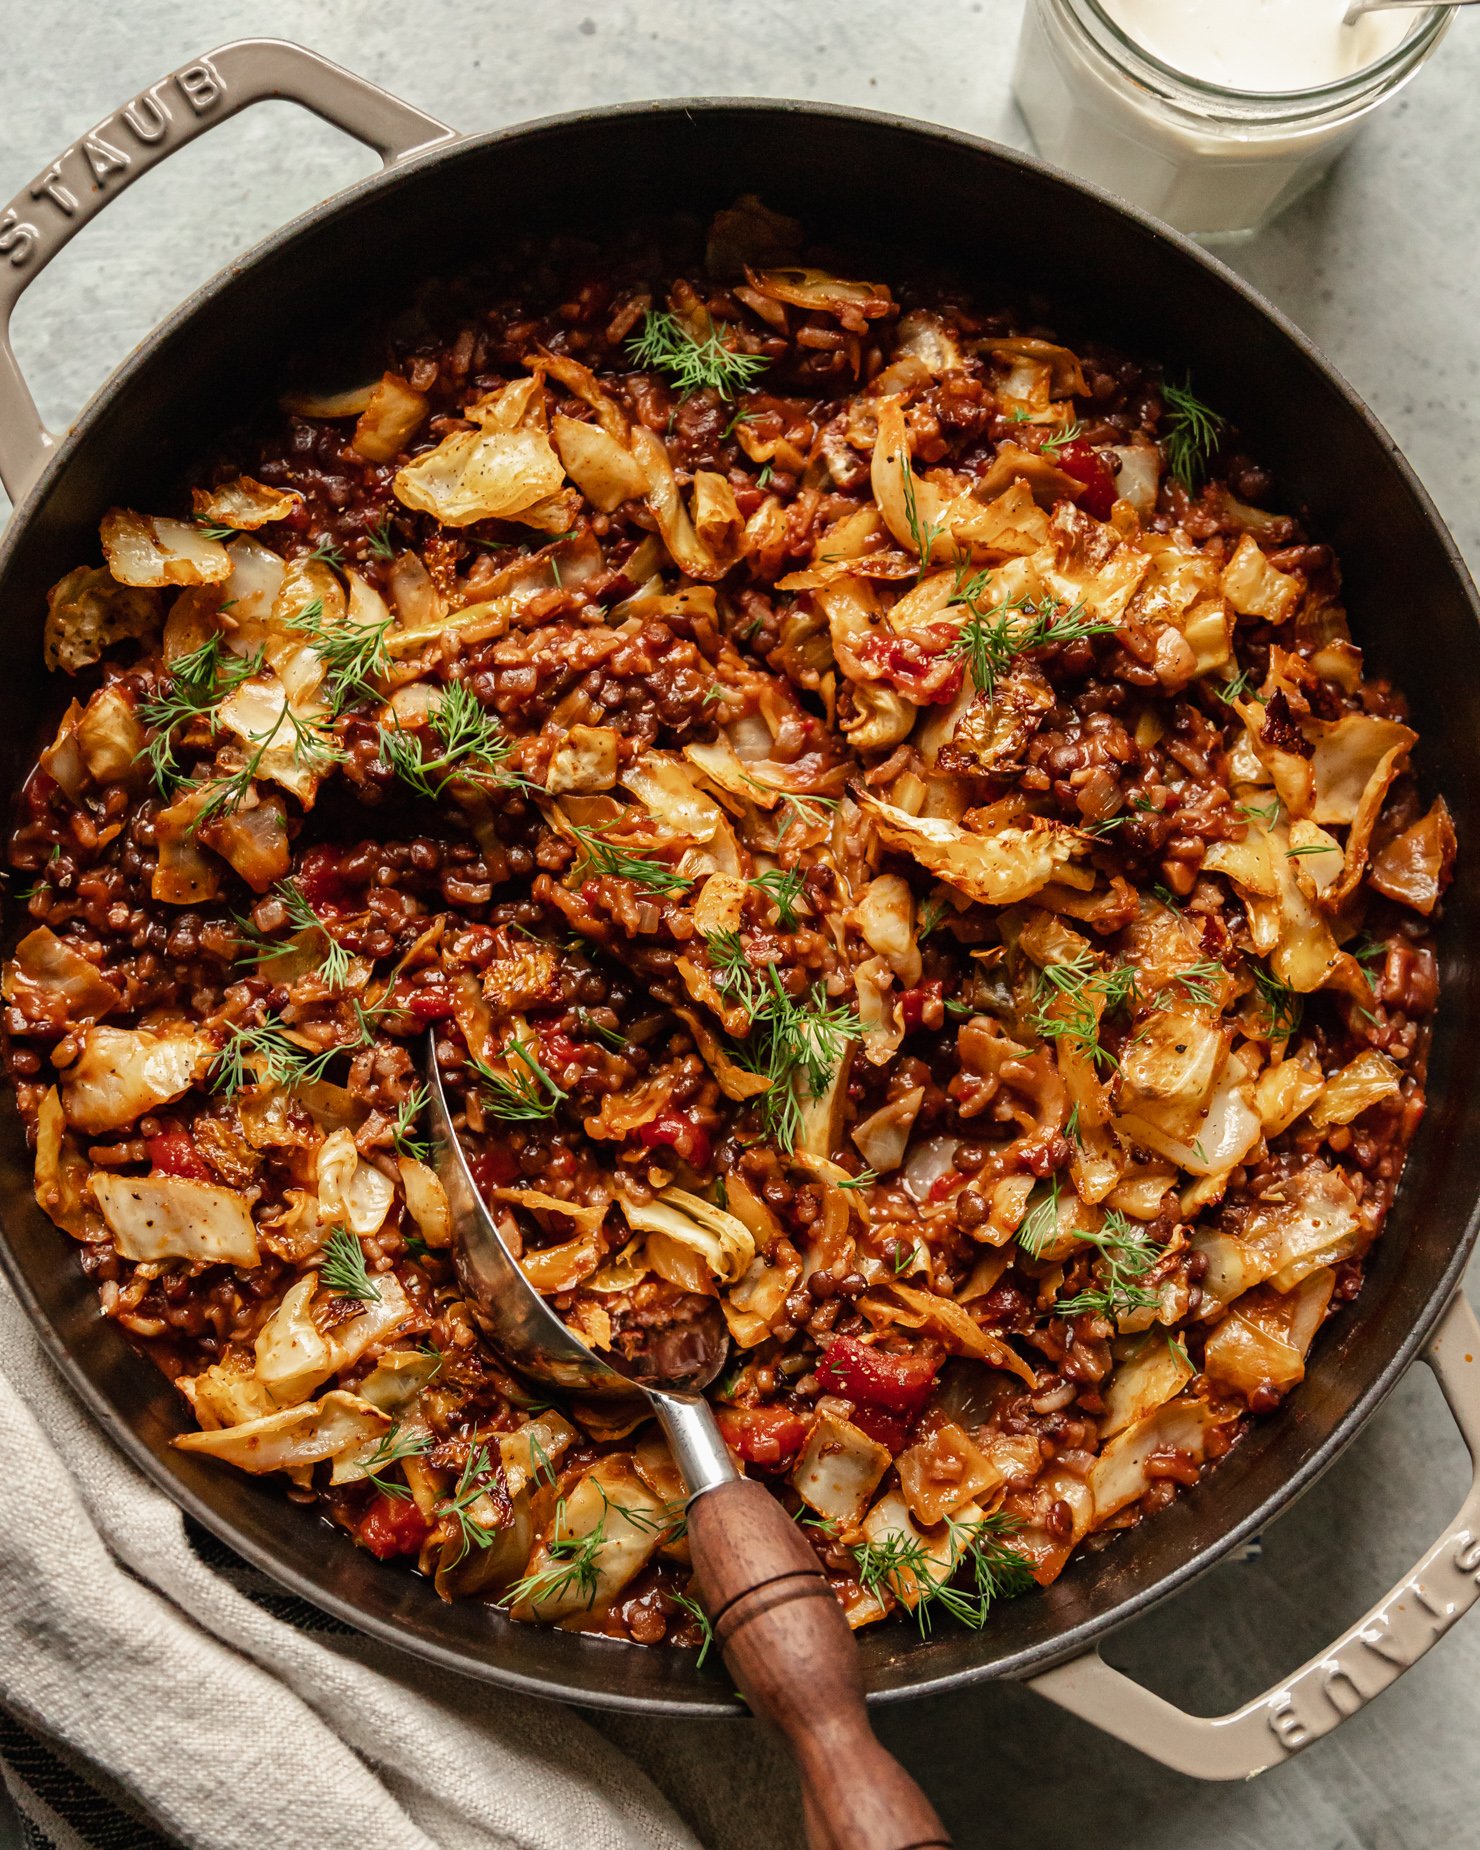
1213, 114
1259, 44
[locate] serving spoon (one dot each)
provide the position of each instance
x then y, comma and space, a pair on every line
780, 1630
1358, 7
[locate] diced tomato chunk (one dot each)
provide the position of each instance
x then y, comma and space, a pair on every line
872, 1377
493, 1168
324, 886
173, 1153
888, 1429
1085, 465
680, 1132
922, 673
913, 1002
557, 1050
429, 1005
393, 1526
766, 1436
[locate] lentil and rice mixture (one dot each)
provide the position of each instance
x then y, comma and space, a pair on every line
894, 841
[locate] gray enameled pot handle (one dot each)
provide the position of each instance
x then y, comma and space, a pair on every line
144, 131
1361, 1663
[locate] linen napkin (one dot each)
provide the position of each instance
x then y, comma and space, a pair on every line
229, 1714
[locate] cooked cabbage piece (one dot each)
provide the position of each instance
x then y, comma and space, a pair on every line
153, 1218
122, 1073
88, 612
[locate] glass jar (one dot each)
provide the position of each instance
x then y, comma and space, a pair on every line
1213, 161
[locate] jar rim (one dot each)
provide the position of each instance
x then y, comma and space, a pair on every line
1415, 44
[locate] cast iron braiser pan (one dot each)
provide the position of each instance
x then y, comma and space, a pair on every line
1016, 232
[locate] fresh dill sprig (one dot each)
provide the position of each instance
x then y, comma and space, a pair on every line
1041, 1222
1283, 1007
407, 1112
352, 653
600, 856
380, 541
43, 884
198, 682
734, 971
1267, 813
609, 1037
931, 914
390, 1449
573, 1563
796, 1044
1125, 1257
471, 1485
1069, 434
905, 1257
474, 746
1195, 979
343, 1270
701, 1618
998, 1570
666, 346
901, 1565
1237, 687
801, 812
864, 1179
334, 967
314, 751
1190, 433
544, 1471
923, 533
1368, 950
524, 1096
990, 641
270, 1049
1067, 993
326, 553
783, 887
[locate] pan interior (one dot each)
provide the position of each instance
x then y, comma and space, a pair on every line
894, 196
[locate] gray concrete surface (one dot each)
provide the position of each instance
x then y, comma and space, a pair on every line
1379, 265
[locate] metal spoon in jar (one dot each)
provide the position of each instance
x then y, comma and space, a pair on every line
781, 1631
1358, 7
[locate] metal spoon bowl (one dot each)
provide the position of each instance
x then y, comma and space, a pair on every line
672, 1371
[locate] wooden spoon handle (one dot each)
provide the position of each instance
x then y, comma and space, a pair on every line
789, 1649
